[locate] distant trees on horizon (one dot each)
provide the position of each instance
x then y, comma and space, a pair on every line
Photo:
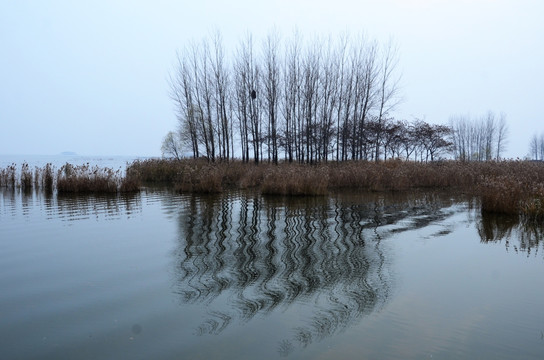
307, 102
479, 139
536, 147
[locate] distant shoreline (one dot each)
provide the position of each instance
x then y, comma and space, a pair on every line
113, 161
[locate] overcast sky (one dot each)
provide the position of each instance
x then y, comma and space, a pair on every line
91, 76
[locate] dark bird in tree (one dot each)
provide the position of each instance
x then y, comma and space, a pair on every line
253, 94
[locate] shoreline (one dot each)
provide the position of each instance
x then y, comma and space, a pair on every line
513, 187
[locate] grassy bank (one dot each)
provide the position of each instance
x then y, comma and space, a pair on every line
510, 187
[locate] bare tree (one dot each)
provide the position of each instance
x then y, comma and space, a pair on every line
489, 127
361, 96
220, 84
310, 101
435, 139
367, 92
502, 133
171, 146
242, 102
388, 89
248, 98
329, 98
392, 138
181, 94
271, 82
327, 101
340, 93
190, 92
478, 139
460, 137
291, 97
407, 139
534, 147
541, 146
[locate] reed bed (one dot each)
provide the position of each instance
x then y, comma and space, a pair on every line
508, 187
8, 177
26, 177
394, 175
87, 179
47, 175
156, 170
296, 180
517, 189
68, 179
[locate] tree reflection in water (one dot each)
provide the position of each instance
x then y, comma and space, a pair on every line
519, 234
262, 253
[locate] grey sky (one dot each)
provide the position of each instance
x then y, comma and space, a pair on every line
90, 77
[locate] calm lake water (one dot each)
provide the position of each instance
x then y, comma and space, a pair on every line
160, 275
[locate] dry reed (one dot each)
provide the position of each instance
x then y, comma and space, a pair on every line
517, 188
8, 176
87, 179
70, 178
296, 180
47, 178
26, 177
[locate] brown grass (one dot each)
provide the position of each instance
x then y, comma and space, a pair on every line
26, 178
8, 176
295, 180
392, 175
87, 179
155, 170
518, 188
47, 178
69, 179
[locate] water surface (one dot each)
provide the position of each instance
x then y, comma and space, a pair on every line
242, 276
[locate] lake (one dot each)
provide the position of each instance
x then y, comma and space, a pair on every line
242, 276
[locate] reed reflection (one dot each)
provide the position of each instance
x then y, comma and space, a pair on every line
89, 206
8, 202
37, 203
258, 254
519, 234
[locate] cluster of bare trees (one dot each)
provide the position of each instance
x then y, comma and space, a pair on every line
479, 139
327, 99
536, 147
409, 140
201, 91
